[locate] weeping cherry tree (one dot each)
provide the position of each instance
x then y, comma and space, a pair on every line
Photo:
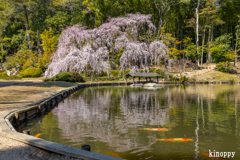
79, 48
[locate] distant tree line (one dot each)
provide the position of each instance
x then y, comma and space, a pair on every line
198, 30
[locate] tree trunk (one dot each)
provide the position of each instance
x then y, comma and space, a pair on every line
197, 41
152, 61
165, 64
155, 59
181, 38
232, 35
27, 27
203, 45
212, 32
38, 43
94, 21
169, 65
209, 35
184, 59
237, 34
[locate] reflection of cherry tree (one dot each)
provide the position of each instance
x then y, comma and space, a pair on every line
96, 117
113, 116
79, 47
136, 108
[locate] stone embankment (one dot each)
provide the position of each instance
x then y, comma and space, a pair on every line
11, 149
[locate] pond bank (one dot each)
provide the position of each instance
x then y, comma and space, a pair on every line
15, 95
14, 117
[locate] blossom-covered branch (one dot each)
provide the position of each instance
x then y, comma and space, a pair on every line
79, 46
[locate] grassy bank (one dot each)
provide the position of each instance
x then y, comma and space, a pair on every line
216, 76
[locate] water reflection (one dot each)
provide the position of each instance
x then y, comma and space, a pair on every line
109, 119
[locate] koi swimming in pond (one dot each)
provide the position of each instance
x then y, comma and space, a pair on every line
176, 139
38, 135
154, 129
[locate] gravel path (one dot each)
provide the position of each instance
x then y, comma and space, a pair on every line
11, 149
14, 150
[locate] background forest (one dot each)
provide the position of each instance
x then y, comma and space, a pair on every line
30, 29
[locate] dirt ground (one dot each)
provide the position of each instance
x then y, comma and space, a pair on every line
15, 95
14, 150
213, 75
208, 72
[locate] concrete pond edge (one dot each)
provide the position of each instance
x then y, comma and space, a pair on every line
9, 119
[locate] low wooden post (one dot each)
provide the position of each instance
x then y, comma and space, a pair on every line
86, 147
150, 79
139, 79
157, 79
133, 80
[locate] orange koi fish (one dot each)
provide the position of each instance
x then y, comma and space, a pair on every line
38, 135
176, 139
154, 129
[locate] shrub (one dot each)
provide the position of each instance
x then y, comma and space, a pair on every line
31, 72
223, 66
108, 78
152, 70
42, 63
173, 78
232, 71
77, 77
102, 74
66, 76
176, 78
3, 75
114, 72
23, 57
126, 72
184, 79
160, 72
86, 79
47, 79
28, 64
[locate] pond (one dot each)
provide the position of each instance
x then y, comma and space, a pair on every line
113, 120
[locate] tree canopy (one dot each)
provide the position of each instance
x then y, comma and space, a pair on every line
25, 24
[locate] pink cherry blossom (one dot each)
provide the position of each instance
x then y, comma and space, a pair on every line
79, 47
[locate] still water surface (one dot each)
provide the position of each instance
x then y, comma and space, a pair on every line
110, 118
